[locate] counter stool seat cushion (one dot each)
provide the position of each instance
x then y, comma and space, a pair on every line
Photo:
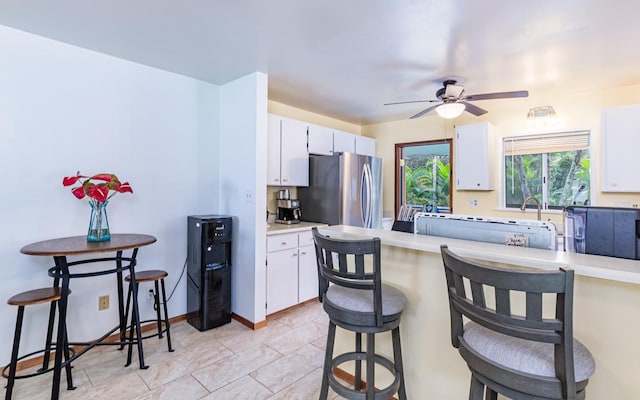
525, 355
393, 300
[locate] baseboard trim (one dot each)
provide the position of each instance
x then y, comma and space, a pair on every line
249, 324
35, 361
262, 324
294, 307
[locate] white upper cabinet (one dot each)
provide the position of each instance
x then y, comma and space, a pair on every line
287, 156
365, 146
620, 141
273, 150
474, 157
344, 142
320, 140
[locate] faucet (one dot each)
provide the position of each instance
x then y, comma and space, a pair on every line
524, 204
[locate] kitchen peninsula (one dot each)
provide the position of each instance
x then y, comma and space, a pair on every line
606, 320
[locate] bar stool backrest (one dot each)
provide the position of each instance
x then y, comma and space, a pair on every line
463, 274
344, 262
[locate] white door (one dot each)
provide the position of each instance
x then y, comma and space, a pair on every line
320, 140
620, 142
307, 274
282, 280
344, 142
365, 146
473, 164
273, 150
294, 155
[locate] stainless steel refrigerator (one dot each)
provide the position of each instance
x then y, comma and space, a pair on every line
344, 189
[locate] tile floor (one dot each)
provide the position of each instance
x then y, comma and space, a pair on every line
280, 361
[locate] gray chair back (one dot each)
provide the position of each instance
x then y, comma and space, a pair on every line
468, 283
342, 262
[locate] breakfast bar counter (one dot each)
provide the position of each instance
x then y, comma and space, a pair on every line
606, 316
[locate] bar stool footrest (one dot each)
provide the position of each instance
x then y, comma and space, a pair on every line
5, 369
164, 329
351, 393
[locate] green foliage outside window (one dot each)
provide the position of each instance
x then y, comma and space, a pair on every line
421, 188
563, 175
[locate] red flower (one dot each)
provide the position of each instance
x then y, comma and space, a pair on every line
98, 192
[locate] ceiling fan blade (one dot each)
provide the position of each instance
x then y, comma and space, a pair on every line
413, 101
498, 95
423, 112
473, 109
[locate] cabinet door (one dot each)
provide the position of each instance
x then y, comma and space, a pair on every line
282, 280
294, 157
273, 151
365, 146
474, 157
344, 142
307, 274
620, 142
320, 140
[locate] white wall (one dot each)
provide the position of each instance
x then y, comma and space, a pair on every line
243, 182
64, 109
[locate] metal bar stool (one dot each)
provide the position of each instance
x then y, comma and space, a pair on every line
154, 276
31, 297
358, 301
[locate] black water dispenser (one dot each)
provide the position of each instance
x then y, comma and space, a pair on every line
209, 271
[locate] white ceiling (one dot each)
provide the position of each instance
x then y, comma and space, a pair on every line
345, 58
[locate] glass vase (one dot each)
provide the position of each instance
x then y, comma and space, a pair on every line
98, 224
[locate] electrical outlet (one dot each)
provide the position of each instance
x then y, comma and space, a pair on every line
473, 202
103, 302
150, 295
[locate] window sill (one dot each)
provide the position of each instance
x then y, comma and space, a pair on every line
527, 211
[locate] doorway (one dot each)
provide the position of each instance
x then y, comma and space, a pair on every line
423, 176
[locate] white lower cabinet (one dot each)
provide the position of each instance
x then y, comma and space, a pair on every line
292, 276
282, 280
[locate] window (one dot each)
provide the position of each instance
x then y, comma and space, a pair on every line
553, 168
423, 177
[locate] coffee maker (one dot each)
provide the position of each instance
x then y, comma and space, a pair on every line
288, 211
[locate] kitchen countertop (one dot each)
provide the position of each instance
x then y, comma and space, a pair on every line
611, 268
274, 229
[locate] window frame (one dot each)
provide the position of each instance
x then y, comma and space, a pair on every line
502, 187
398, 170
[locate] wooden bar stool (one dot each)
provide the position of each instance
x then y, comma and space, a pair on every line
358, 301
154, 276
31, 297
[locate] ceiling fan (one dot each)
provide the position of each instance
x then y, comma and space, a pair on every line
452, 100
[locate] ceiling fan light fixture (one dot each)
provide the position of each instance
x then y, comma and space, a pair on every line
450, 110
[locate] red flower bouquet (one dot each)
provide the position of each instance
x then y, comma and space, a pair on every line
99, 188
96, 191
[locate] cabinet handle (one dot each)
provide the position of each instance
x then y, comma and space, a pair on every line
294, 255
283, 244
304, 253
285, 180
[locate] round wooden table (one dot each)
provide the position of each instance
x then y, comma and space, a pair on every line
59, 249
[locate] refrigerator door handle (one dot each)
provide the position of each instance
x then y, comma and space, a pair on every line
369, 189
363, 184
